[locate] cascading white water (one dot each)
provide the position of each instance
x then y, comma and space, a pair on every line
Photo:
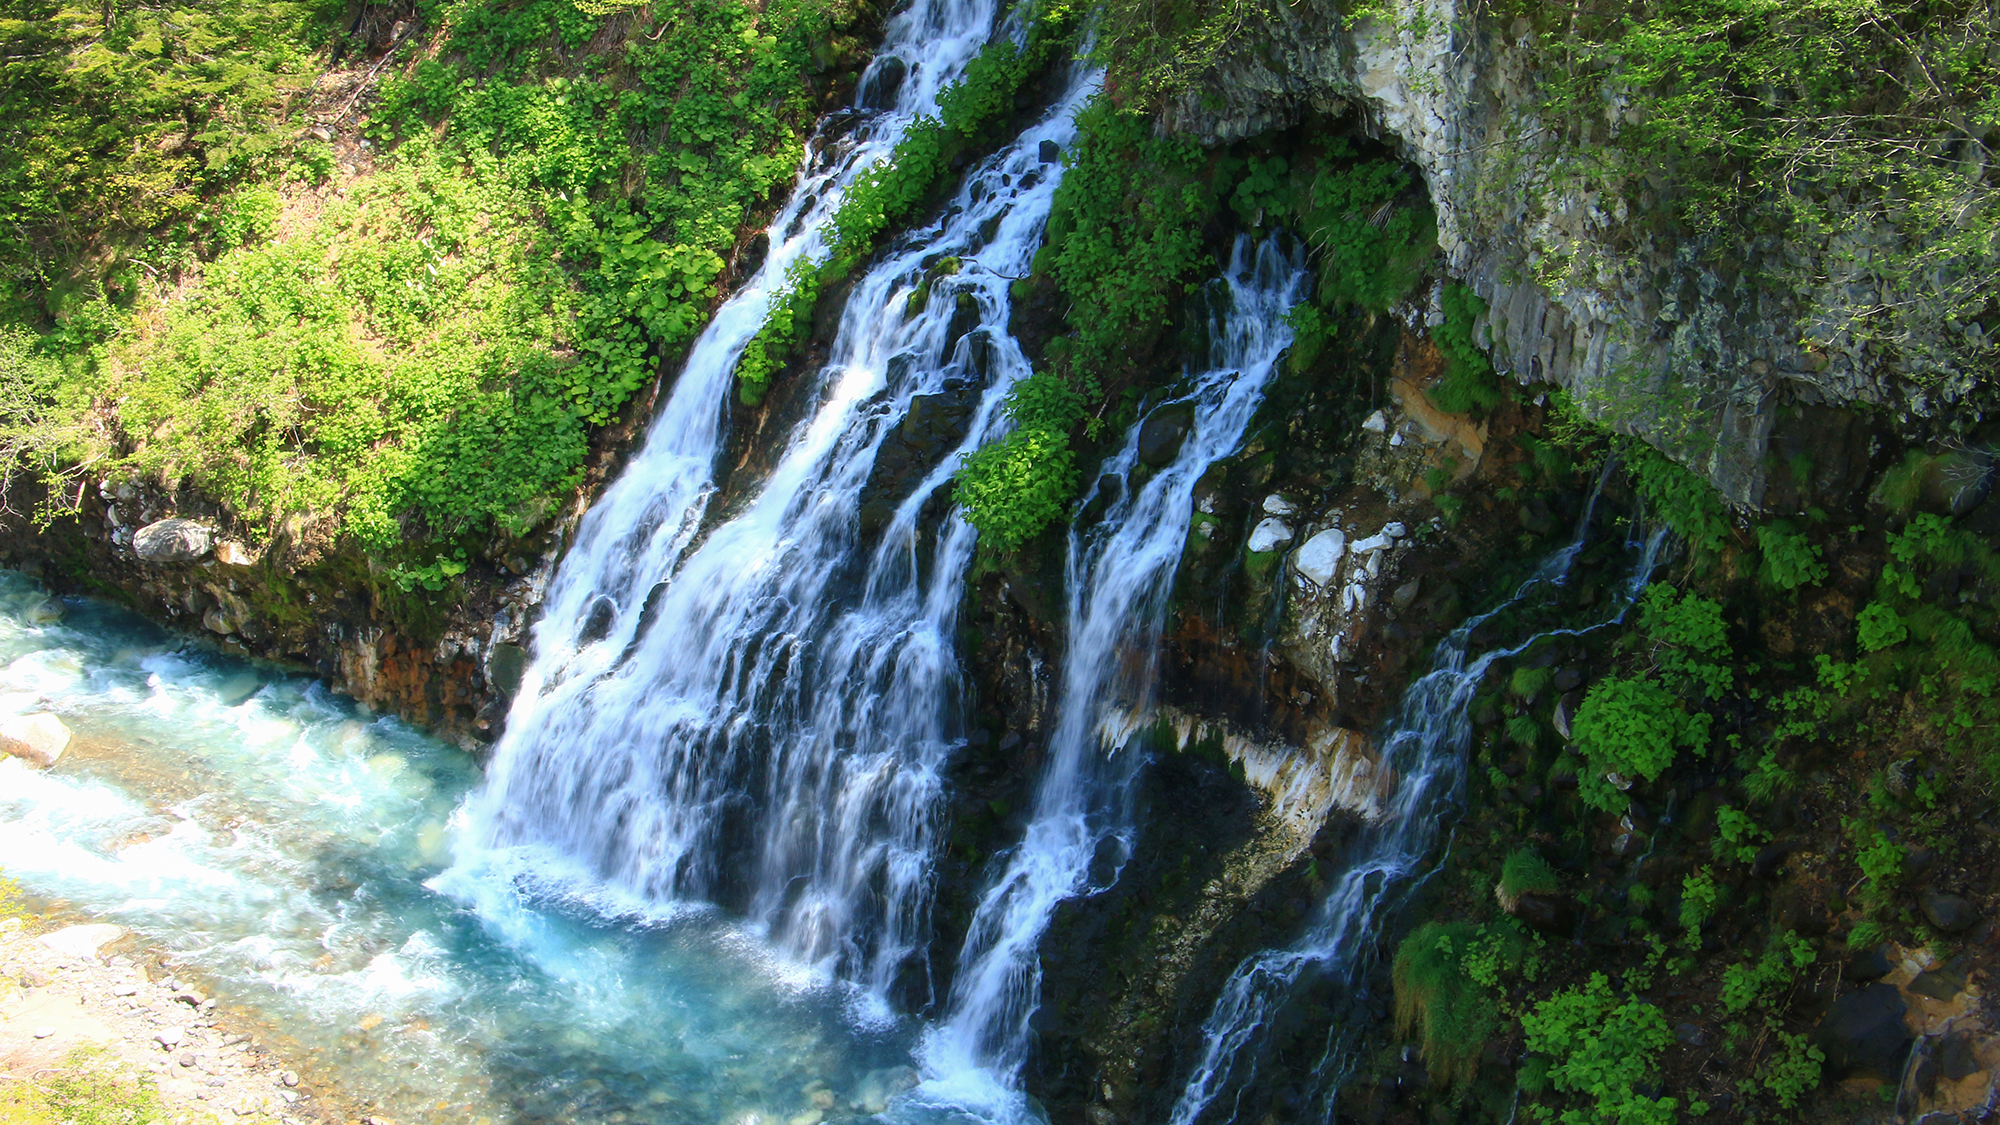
1119, 574
758, 714
1425, 743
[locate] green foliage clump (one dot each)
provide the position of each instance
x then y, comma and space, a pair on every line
1789, 560
1791, 1070
1604, 1051
1371, 250
1527, 683
1012, 488
1634, 728
1526, 872
1469, 385
1692, 643
123, 121
1444, 976
1880, 627
1748, 983
1684, 501
1739, 832
1699, 895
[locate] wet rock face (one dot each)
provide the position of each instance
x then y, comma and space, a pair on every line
317, 607
1864, 1031
1638, 311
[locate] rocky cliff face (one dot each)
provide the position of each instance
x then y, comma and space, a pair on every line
1691, 346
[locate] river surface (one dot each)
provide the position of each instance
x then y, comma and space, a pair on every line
287, 848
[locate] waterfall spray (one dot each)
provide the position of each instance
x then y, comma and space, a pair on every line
755, 711
1119, 575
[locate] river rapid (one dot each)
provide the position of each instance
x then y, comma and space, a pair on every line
284, 848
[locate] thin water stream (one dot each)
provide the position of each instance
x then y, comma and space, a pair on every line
1425, 742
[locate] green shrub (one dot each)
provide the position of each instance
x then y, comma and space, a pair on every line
1527, 683
1789, 560
1880, 627
1634, 728
1699, 895
1526, 872
1604, 1051
1740, 834
1013, 488
1685, 502
1469, 385
1438, 998
1694, 642
1751, 983
1792, 1069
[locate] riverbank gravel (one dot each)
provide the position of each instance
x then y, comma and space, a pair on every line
81, 987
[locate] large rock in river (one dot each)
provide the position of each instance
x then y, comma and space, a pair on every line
38, 739
173, 541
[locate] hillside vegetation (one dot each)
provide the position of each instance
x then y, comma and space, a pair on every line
390, 296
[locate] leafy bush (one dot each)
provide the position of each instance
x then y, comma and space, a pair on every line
1469, 385
1693, 642
1699, 895
1792, 1070
1789, 560
1527, 683
1747, 984
1438, 998
1684, 501
1740, 834
1880, 627
1633, 728
1604, 1051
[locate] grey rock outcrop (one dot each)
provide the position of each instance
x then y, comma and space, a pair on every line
174, 541
1688, 344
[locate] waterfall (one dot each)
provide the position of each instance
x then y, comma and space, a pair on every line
752, 708
1119, 573
1425, 743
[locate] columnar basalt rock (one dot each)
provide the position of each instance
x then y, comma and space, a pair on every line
1690, 345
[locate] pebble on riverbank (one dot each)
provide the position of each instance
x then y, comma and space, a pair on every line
59, 991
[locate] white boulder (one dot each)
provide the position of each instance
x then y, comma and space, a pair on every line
38, 739
81, 941
173, 541
1319, 558
1268, 535
1276, 505
1376, 423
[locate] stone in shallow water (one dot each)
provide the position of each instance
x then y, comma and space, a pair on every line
38, 739
81, 941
